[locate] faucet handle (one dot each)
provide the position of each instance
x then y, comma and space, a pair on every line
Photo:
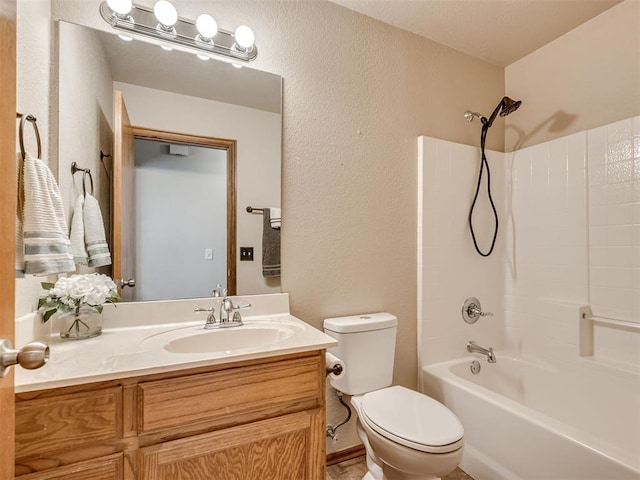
198, 309
472, 310
211, 318
240, 307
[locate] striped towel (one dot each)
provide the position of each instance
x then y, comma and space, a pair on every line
47, 249
275, 217
94, 236
78, 248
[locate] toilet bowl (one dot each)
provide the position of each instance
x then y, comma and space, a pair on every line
407, 435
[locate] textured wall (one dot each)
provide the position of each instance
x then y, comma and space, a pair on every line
587, 78
357, 93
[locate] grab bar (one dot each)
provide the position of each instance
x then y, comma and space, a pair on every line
611, 321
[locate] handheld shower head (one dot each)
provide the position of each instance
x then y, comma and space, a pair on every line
509, 106
505, 107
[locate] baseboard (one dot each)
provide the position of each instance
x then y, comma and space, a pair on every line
344, 455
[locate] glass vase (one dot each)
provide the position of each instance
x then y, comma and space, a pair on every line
80, 323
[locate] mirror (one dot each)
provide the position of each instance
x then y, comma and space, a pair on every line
174, 93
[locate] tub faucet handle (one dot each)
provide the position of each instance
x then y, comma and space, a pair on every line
472, 310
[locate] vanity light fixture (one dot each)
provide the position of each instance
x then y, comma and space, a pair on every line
202, 36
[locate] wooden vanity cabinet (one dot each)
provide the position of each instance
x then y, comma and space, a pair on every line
259, 419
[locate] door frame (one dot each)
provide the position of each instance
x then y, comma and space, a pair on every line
8, 202
230, 146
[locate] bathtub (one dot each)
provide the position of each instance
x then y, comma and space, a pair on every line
526, 420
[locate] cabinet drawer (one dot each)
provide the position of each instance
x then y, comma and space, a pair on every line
274, 449
231, 395
106, 468
68, 421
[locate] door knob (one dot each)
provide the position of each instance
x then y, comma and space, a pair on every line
127, 283
33, 355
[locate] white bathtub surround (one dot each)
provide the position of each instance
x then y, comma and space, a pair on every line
571, 239
530, 420
576, 241
134, 335
614, 220
449, 269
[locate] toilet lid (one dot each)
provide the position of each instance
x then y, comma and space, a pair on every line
412, 419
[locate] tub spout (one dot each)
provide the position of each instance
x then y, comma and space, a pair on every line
472, 347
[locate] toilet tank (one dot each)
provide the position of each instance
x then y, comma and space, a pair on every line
366, 345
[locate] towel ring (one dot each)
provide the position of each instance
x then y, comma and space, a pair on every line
28, 118
85, 171
84, 176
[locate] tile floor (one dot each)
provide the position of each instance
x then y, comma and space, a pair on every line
355, 469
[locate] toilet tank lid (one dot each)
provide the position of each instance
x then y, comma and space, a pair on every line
361, 323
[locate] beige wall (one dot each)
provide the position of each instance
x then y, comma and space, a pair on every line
357, 93
587, 78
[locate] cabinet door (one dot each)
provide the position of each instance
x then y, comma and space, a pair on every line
105, 468
290, 447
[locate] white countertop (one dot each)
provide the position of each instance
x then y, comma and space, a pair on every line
124, 349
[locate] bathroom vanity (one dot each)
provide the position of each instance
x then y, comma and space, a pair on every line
249, 413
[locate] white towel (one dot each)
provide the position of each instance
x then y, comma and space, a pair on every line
47, 249
78, 248
276, 217
94, 236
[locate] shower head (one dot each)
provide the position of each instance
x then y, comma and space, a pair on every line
509, 106
505, 107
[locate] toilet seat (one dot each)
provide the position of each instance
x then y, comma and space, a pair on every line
412, 419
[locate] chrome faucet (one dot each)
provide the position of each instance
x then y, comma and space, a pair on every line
226, 307
472, 347
219, 291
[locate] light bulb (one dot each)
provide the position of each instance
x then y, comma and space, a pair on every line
120, 7
166, 13
126, 38
202, 57
166, 48
236, 65
244, 37
207, 26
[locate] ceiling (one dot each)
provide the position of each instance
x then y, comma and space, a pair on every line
497, 31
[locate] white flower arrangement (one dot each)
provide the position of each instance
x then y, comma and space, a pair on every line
70, 293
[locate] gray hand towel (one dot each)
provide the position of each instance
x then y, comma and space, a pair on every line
270, 247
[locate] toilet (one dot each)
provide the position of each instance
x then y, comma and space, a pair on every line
407, 435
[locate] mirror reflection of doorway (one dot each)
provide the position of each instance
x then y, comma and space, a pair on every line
192, 265
181, 220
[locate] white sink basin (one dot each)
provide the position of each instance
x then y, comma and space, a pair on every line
251, 335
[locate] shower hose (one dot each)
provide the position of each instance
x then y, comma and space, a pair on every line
483, 164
